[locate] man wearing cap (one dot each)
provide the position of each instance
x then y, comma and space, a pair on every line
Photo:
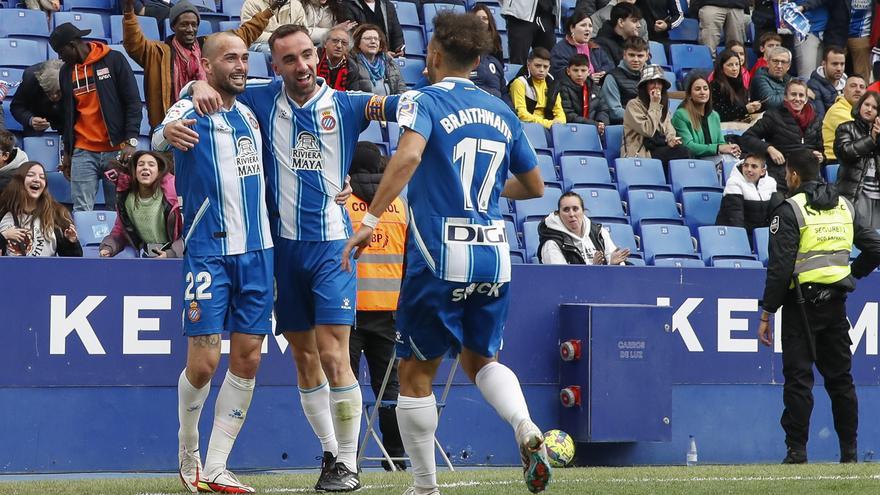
101, 110
170, 64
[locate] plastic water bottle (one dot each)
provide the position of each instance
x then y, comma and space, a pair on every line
691, 457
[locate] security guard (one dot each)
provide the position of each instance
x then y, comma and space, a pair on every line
379, 272
811, 235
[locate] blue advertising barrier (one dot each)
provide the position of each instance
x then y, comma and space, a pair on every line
93, 349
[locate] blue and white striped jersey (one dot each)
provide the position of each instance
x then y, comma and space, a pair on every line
473, 138
220, 182
307, 152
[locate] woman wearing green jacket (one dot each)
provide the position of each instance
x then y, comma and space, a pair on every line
699, 127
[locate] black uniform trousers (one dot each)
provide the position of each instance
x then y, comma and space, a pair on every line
375, 335
522, 36
830, 329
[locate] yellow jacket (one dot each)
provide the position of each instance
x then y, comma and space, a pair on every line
838, 113
518, 96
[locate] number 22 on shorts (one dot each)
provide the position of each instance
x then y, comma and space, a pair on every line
203, 279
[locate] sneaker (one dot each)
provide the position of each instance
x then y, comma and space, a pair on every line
340, 479
189, 468
328, 467
795, 456
412, 491
536, 467
224, 482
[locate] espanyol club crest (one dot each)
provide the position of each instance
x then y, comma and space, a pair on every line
194, 313
328, 122
253, 121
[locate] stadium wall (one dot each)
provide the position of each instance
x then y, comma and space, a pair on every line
92, 351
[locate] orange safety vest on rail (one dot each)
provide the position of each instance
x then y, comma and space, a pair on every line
380, 267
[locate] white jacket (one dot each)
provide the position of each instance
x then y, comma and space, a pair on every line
525, 10
552, 255
737, 184
291, 13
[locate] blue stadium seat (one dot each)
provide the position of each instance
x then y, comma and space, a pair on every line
576, 138
232, 8
149, 27
658, 55
537, 208
408, 14
693, 175
830, 173
510, 71
85, 20
393, 131
206, 6
602, 205
429, 10
505, 46
531, 239
23, 23
738, 264
145, 123
548, 172
687, 57
721, 242
613, 142
11, 124
674, 103
623, 237
205, 28
373, 133
21, 53
537, 135
410, 69
93, 226
580, 171
651, 207
688, 30
669, 75
11, 76
257, 66
512, 235
59, 187
640, 173
517, 257
414, 38
45, 149
667, 241
700, 208
727, 169
89, 6
504, 206
139, 80
761, 241
228, 25
680, 262
135, 67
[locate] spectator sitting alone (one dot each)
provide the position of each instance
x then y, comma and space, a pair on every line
568, 237
841, 112
768, 85
32, 223
647, 128
148, 211
534, 96
578, 93
858, 179
11, 158
699, 126
749, 196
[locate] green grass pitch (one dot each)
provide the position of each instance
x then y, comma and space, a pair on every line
714, 480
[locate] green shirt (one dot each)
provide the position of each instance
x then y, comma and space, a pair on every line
148, 217
693, 139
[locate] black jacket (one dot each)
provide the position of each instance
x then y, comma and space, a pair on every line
552, 92
31, 101
748, 205
778, 128
610, 41
728, 109
590, 6
855, 151
489, 76
565, 243
785, 238
824, 91
573, 100
660, 10
355, 10
118, 94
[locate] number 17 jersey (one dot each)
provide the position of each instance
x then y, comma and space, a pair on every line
473, 140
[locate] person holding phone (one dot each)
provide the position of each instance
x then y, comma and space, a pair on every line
148, 212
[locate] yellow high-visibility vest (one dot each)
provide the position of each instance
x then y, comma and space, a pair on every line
380, 267
826, 238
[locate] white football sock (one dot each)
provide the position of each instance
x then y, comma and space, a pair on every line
500, 387
189, 409
230, 412
346, 405
417, 418
316, 406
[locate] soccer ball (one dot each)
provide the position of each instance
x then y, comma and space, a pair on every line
560, 448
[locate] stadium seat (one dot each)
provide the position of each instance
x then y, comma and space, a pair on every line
658, 55
669, 75
679, 262
139, 80
830, 173
59, 187
408, 14
517, 257
373, 133
537, 208
613, 142
504, 206
640, 173
21, 53
738, 264
510, 71
228, 25
687, 57
89, 6
548, 172
11, 76
410, 69
45, 149
674, 103
576, 138
693, 175
623, 237
145, 123
393, 131
602, 205
530, 239
429, 10
93, 226
537, 135
257, 66
651, 207
721, 242
232, 8
512, 235
726, 170
688, 30
149, 26
761, 241
135, 67
700, 208
205, 28
85, 20
578, 171
23, 23
668, 241
414, 38
11, 124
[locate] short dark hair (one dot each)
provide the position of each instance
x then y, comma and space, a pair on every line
539, 52
804, 162
837, 50
757, 156
286, 30
578, 59
856, 109
7, 141
462, 37
769, 36
635, 44
571, 21
624, 10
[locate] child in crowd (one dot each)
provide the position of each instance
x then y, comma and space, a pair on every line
579, 95
749, 196
533, 92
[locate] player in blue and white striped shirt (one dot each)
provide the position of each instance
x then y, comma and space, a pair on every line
309, 136
228, 262
455, 152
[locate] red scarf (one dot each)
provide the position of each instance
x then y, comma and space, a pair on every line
187, 65
586, 93
339, 82
804, 118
